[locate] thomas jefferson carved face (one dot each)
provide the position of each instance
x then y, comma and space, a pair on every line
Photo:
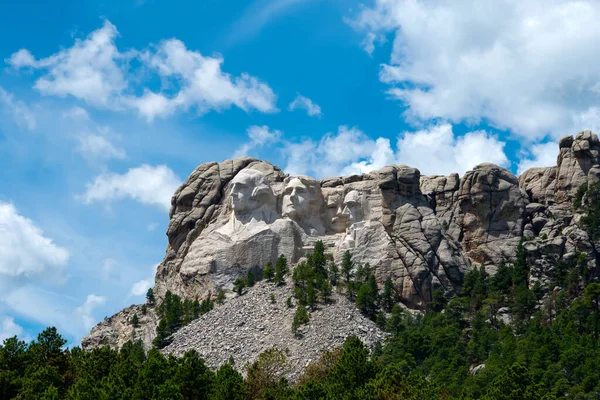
353, 210
249, 190
296, 200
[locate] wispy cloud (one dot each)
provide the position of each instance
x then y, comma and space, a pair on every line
258, 15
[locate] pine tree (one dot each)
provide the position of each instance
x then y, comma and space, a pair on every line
280, 269
387, 297
250, 278
239, 285
163, 334
319, 259
334, 273
150, 297
347, 271
269, 271
135, 321
300, 317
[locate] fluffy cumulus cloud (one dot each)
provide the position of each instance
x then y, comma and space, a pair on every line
528, 66
17, 110
97, 72
152, 185
438, 150
539, 155
25, 252
306, 104
8, 328
259, 136
350, 151
86, 309
92, 69
331, 154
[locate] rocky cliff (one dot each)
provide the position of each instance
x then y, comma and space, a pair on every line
421, 232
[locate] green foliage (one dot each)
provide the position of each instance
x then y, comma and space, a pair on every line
347, 270
250, 278
549, 351
228, 384
272, 298
281, 269
239, 285
334, 273
175, 313
367, 299
220, 297
311, 281
269, 272
591, 219
135, 321
581, 190
289, 302
300, 317
266, 373
150, 297
387, 297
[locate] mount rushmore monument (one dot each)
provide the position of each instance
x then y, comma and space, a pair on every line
422, 232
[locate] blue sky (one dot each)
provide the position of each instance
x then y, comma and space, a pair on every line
107, 106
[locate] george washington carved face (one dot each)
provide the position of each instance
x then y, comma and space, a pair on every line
250, 189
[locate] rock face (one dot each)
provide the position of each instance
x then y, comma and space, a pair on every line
118, 329
240, 214
420, 231
246, 326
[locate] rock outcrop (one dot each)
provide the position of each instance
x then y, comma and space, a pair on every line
422, 232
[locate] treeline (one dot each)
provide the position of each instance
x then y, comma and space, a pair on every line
315, 278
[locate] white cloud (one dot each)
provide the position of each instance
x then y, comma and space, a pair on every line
92, 70
95, 71
436, 150
44, 307
146, 184
203, 84
258, 15
140, 287
97, 147
528, 66
85, 311
24, 250
304, 103
540, 155
77, 114
259, 136
18, 110
332, 155
8, 329
151, 227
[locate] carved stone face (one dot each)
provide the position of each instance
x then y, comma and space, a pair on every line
335, 212
296, 200
249, 190
353, 209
